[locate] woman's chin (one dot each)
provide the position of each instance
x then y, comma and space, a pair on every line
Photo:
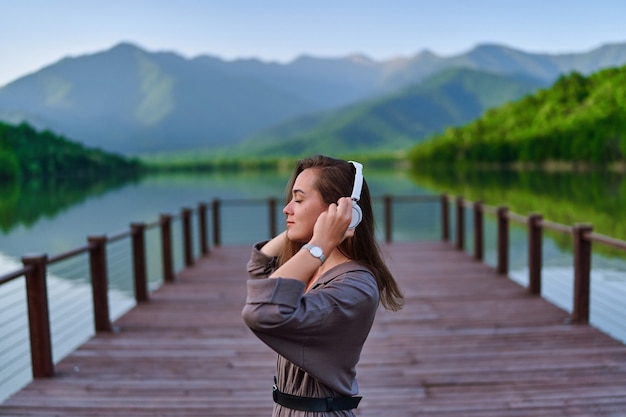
297, 237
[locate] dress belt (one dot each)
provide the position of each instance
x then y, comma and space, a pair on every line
296, 402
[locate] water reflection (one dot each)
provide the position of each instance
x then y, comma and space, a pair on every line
24, 203
56, 217
598, 198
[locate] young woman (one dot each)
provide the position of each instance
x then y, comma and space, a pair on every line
315, 289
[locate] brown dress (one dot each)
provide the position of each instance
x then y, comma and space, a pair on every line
317, 334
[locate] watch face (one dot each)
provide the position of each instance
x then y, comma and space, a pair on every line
316, 251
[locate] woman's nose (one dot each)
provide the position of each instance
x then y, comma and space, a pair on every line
287, 208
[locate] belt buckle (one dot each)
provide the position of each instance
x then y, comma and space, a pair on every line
275, 392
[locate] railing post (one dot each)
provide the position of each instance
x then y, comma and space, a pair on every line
582, 273
478, 231
272, 213
99, 285
445, 218
166, 247
187, 242
202, 224
38, 316
216, 222
388, 218
137, 231
460, 224
534, 253
503, 240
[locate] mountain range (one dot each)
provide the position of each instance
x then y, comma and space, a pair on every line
397, 121
133, 101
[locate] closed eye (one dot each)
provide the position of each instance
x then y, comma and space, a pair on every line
297, 193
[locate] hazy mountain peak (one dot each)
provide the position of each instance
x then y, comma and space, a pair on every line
127, 99
126, 46
426, 54
491, 46
361, 59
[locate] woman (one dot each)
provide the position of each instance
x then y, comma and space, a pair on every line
324, 284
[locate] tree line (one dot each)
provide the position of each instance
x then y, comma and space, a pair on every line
578, 120
28, 154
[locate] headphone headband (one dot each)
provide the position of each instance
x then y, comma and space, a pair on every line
358, 181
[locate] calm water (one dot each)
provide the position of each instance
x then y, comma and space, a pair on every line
60, 225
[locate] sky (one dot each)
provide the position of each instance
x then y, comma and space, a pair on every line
37, 33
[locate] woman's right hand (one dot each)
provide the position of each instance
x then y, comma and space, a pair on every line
331, 227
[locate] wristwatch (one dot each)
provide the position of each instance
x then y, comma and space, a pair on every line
316, 251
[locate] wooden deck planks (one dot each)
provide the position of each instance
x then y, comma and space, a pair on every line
468, 343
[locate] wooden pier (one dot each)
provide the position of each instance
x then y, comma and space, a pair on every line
469, 342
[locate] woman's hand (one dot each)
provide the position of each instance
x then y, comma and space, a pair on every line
331, 227
275, 246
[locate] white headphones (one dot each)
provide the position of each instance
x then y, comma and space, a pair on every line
357, 215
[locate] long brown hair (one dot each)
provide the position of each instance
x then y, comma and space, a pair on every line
335, 179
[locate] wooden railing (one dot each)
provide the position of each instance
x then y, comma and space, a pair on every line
583, 237
35, 266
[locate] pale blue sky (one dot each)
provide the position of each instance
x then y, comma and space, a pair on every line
36, 33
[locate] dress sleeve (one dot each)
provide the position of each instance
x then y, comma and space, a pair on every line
280, 305
321, 331
260, 265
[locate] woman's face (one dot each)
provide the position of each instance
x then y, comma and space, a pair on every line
305, 207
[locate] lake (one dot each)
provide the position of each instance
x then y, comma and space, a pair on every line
54, 218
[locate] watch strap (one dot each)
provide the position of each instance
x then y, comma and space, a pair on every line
319, 252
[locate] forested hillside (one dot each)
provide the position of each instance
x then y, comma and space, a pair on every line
28, 154
578, 120
137, 102
396, 121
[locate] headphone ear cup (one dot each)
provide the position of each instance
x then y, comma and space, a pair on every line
357, 215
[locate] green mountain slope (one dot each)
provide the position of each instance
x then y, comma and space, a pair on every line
394, 122
578, 119
128, 100
132, 101
28, 154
